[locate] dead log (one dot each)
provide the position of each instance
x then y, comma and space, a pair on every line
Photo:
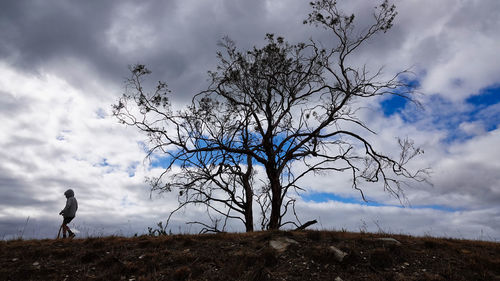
307, 224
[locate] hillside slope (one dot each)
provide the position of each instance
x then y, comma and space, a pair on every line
308, 256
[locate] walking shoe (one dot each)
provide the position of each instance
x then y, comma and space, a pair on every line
71, 235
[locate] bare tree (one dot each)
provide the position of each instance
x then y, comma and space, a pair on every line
289, 109
189, 141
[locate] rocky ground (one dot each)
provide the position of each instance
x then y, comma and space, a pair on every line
301, 255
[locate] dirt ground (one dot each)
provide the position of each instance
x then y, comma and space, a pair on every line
244, 256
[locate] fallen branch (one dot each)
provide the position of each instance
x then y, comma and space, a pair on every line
307, 224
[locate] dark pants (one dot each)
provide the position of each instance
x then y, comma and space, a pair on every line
67, 220
65, 227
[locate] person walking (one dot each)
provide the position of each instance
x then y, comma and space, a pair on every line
69, 212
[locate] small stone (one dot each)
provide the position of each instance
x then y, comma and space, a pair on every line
15, 259
141, 257
406, 264
36, 263
338, 279
281, 244
338, 254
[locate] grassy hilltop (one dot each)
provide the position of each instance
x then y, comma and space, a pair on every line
251, 256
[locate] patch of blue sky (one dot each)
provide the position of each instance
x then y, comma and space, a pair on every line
482, 109
437, 207
396, 104
160, 161
322, 197
104, 163
486, 107
163, 161
486, 97
393, 104
156, 160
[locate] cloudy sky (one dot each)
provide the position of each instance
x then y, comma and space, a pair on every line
63, 63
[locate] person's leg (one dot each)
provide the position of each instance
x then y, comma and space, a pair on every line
64, 227
71, 234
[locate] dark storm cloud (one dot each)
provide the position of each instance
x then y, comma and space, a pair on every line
17, 191
38, 31
38, 34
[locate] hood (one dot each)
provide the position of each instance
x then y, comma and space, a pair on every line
69, 193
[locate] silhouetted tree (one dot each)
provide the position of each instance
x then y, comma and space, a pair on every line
288, 109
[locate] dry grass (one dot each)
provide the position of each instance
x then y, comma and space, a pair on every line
247, 256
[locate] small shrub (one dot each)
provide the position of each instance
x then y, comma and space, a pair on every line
160, 230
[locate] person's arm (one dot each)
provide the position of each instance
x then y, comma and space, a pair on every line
66, 208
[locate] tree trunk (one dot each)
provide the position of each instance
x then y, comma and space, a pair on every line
275, 218
249, 218
248, 196
248, 206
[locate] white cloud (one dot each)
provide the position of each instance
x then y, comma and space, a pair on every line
452, 42
479, 224
472, 128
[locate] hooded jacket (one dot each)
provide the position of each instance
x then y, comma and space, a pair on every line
71, 204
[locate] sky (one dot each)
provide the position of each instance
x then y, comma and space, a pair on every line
64, 63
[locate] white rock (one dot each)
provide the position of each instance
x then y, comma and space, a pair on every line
338, 279
338, 254
281, 244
